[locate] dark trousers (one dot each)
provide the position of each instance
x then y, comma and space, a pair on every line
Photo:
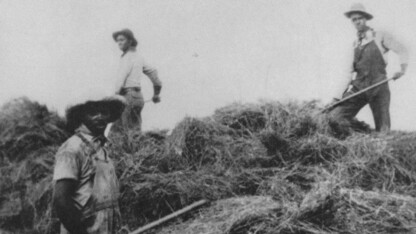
379, 100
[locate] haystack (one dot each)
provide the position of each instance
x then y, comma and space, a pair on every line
266, 168
30, 136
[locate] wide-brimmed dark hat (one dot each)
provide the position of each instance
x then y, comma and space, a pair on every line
76, 113
128, 34
358, 8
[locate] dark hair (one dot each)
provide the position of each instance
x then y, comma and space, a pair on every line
128, 34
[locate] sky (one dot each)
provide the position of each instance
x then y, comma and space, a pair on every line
209, 53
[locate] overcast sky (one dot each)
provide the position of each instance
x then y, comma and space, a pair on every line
208, 53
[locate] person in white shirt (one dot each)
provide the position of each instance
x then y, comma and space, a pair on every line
368, 68
131, 71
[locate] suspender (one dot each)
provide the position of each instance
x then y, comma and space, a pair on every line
88, 143
102, 202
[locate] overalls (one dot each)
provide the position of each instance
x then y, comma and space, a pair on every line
371, 68
101, 213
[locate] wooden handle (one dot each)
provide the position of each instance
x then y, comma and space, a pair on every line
168, 217
355, 94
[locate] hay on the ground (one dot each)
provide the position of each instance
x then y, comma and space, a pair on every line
314, 174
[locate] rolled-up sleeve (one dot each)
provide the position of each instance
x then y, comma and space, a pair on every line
151, 72
67, 166
390, 43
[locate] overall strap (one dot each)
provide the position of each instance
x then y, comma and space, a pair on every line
90, 145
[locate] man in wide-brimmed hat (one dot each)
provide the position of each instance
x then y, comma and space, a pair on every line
86, 188
368, 68
132, 69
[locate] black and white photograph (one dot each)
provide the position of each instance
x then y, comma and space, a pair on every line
207, 117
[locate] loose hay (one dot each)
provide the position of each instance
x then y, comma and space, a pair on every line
221, 217
326, 209
271, 168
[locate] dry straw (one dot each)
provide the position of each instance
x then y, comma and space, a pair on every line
268, 167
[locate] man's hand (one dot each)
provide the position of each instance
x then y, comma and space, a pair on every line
156, 98
66, 211
156, 92
399, 74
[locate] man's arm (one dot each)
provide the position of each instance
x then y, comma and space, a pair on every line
67, 213
389, 43
156, 91
151, 72
348, 74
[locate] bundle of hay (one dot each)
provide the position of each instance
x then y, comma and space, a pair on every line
245, 118
30, 136
27, 126
201, 143
327, 208
141, 153
222, 216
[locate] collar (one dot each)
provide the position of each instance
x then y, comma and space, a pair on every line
130, 50
88, 135
363, 34
364, 37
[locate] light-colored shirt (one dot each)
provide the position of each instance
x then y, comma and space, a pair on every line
132, 68
78, 160
72, 161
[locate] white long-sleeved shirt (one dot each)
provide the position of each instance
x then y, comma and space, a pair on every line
131, 70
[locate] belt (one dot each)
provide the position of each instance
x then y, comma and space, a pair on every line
125, 90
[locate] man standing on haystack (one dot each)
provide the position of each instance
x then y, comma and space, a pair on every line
369, 68
86, 188
131, 71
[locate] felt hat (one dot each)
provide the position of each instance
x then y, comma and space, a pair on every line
358, 8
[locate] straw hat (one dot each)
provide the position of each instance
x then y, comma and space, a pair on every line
128, 34
358, 8
75, 114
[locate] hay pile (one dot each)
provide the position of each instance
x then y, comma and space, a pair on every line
266, 167
29, 138
326, 209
